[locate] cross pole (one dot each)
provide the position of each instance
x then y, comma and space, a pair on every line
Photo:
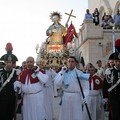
70, 15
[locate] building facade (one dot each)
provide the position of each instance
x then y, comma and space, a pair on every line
95, 43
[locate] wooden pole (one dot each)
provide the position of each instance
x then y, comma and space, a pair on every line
83, 96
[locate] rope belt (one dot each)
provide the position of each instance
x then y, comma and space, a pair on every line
32, 93
70, 91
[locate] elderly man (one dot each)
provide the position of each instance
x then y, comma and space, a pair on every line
30, 82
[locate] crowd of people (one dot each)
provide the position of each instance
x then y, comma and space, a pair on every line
108, 22
85, 92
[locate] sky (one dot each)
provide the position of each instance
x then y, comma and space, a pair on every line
24, 22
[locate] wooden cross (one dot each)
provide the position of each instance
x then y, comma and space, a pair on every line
70, 15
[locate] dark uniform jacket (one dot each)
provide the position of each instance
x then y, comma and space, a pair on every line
114, 95
7, 95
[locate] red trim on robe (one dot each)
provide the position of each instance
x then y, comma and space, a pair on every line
27, 73
95, 85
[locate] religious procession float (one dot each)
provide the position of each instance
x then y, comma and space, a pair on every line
54, 51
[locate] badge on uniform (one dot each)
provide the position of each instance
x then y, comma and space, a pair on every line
97, 81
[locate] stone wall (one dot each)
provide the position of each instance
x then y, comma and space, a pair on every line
94, 43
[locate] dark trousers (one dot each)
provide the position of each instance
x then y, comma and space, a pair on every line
115, 107
7, 108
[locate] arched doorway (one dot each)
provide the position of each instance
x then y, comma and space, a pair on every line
117, 6
80, 58
101, 11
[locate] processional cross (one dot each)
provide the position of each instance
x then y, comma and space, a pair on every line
70, 15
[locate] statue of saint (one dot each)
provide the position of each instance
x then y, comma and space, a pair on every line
56, 31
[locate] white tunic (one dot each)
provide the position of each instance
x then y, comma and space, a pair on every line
49, 95
71, 107
33, 98
95, 106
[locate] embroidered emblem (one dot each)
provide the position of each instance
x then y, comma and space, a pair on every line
9, 58
97, 81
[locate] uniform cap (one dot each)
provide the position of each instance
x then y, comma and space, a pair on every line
9, 56
111, 57
116, 56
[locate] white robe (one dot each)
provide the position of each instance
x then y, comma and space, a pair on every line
33, 98
95, 105
49, 95
71, 107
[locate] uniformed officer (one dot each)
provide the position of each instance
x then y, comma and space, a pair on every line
7, 77
112, 88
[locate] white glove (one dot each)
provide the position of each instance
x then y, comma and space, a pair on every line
84, 100
37, 70
105, 100
18, 71
64, 68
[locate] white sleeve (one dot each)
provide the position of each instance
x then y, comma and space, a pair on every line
53, 73
42, 77
17, 84
58, 80
84, 76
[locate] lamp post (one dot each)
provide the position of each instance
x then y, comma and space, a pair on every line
113, 40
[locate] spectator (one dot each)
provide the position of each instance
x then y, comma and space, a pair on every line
117, 19
107, 22
100, 70
96, 16
110, 20
88, 15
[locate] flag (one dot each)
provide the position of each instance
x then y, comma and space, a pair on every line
71, 32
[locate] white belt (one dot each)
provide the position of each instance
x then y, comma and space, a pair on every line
32, 93
71, 91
